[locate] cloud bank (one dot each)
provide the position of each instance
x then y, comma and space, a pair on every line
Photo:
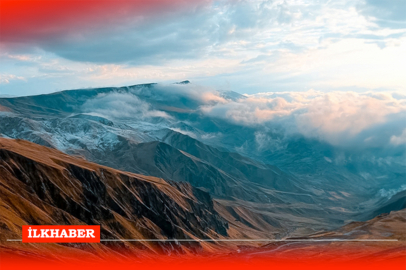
350, 119
121, 106
338, 118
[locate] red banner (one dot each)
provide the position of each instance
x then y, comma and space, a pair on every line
61, 234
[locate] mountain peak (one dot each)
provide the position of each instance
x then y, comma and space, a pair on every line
183, 82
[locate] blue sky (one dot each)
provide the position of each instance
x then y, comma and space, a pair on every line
245, 46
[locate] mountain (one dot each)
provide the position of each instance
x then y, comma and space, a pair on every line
353, 243
395, 203
289, 181
388, 225
234, 164
40, 185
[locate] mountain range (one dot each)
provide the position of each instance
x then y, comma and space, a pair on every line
122, 156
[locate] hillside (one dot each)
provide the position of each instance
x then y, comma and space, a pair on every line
40, 185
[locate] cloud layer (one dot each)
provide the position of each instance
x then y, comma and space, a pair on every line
121, 106
347, 119
339, 118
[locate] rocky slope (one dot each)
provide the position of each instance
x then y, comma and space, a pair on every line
39, 185
380, 239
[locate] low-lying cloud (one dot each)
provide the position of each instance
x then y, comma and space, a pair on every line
173, 94
336, 117
121, 105
369, 119
398, 140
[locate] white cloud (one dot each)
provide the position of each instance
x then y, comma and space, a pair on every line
6, 78
336, 113
399, 140
335, 117
202, 94
121, 105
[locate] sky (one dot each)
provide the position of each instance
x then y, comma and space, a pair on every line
250, 47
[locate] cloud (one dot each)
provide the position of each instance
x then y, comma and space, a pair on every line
6, 78
154, 32
389, 193
172, 94
196, 92
251, 111
385, 13
399, 140
339, 118
185, 132
109, 31
249, 45
333, 115
121, 105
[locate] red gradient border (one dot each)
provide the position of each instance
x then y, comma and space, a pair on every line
196, 263
35, 20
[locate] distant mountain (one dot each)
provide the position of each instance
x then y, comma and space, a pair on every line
395, 203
